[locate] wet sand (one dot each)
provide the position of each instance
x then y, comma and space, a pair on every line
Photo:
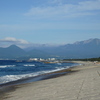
79, 83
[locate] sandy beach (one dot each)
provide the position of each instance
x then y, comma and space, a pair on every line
82, 83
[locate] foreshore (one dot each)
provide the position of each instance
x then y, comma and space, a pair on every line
78, 83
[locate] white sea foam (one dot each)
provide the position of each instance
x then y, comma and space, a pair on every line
4, 66
29, 65
10, 78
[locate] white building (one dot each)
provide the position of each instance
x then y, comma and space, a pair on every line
31, 59
51, 59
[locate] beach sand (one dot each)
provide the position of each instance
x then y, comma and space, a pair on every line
82, 83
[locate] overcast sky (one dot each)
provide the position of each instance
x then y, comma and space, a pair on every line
48, 21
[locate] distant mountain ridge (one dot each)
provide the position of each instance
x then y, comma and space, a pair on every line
82, 49
94, 41
12, 51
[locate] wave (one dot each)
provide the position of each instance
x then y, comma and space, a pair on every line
11, 78
4, 66
22, 71
29, 65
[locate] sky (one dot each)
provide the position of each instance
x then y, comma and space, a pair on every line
28, 22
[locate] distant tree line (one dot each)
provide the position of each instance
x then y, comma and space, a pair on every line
86, 59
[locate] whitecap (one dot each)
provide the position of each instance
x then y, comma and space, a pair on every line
29, 65
4, 66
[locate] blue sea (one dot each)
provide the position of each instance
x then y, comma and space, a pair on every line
12, 70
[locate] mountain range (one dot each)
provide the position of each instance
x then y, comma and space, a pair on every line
82, 49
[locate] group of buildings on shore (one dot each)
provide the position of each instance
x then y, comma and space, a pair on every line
41, 59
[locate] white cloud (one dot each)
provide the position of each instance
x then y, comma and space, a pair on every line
11, 40
14, 40
8, 39
6, 42
57, 2
89, 5
65, 10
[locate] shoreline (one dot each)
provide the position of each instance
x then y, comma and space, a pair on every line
41, 76
11, 86
38, 78
48, 79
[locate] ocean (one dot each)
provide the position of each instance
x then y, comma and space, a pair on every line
12, 70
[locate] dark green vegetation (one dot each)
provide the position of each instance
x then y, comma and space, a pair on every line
86, 59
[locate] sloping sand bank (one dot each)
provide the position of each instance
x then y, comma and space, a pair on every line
83, 83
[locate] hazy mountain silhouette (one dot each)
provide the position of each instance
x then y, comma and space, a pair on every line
12, 51
82, 49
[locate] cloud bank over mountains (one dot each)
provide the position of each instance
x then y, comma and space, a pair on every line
7, 41
82, 49
11, 40
14, 40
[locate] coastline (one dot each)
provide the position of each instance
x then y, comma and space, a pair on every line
9, 92
38, 76
11, 86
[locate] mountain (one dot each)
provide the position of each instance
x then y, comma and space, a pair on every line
12, 51
16, 52
38, 53
81, 49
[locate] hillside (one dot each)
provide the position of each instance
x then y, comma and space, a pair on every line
12, 51
82, 49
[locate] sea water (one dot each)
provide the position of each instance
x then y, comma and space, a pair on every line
11, 70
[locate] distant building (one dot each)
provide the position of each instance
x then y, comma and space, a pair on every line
31, 59
41, 59
51, 59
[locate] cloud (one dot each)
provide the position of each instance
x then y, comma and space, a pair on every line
56, 2
11, 40
19, 42
14, 40
65, 10
6, 42
89, 5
